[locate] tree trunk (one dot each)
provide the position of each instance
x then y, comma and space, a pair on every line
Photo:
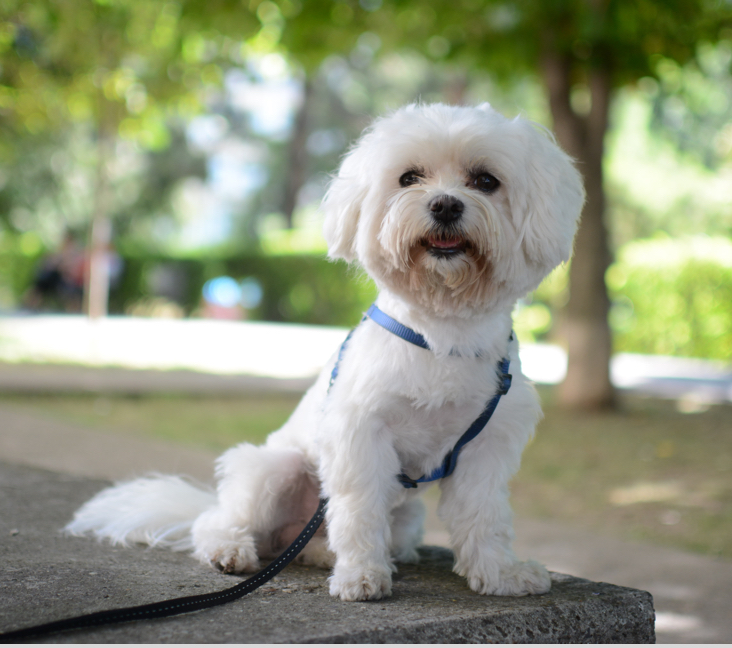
297, 155
96, 288
585, 328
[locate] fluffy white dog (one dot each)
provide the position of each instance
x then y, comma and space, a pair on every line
455, 213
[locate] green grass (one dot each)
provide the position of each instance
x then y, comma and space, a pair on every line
645, 472
213, 423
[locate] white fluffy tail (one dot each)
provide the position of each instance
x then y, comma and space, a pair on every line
158, 511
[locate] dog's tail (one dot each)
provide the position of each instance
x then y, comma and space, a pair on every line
157, 510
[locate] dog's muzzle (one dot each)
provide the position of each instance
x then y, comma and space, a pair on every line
445, 239
446, 209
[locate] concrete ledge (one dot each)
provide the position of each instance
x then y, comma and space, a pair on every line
44, 577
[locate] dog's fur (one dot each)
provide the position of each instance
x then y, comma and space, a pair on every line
396, 407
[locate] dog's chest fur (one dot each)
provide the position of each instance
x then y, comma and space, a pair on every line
422, 401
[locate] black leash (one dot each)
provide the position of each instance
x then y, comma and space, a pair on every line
176, 606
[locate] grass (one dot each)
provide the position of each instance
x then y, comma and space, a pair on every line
212, 423
645, 472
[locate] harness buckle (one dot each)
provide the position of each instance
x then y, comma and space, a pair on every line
506, 379
406, 481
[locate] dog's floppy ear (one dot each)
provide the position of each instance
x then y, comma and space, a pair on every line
548, 204
342, 207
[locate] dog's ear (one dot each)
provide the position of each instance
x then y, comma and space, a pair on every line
548, 203
342, 207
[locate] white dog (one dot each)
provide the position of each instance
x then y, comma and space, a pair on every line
455, 213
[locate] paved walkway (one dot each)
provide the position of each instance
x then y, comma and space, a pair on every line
290, 352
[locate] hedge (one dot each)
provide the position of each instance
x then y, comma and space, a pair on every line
670, 296
305, 289
673, 297
20, 255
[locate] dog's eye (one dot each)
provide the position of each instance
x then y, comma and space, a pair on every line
410, 178
485, 182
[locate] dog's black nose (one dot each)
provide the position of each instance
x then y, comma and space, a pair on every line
446, 209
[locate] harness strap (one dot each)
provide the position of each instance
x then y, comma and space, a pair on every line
398, 329
176, 606
334, 373
404, 332
409, 335
450, 461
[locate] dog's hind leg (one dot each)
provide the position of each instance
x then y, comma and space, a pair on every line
255, 488
407, 530
228, 546
317, 552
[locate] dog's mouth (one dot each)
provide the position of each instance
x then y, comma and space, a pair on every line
444, 245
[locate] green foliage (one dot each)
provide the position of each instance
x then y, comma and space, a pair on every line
673, 297
306, 289
296, 288
19, 258
127, 70
669, 297
117, 64
533, 318
81, 78
624, 37
692, 104
655, 187
301, 288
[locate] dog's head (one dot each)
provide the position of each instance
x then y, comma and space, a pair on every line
455, 209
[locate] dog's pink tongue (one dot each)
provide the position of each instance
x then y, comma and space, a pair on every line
445, 243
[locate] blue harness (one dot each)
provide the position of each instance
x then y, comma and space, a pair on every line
449, 462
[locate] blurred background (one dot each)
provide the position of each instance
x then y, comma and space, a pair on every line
161, 166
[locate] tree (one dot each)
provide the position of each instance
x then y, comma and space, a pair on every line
582, 51
121, 66
297, 154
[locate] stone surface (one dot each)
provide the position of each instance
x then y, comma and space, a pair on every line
45, 576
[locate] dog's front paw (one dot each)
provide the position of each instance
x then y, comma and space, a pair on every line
514, 579
359, 584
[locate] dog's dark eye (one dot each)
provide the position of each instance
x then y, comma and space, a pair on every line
485, 182
410, 178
